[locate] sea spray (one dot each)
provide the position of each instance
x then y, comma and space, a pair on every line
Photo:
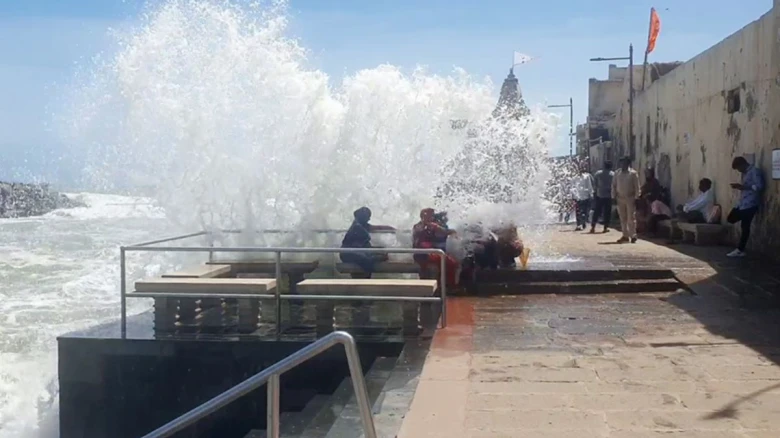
213, 104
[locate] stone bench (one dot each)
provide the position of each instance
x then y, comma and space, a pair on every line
391, 267
703, 234
295, 272
669, 229
202, 271
167, 308
367, 287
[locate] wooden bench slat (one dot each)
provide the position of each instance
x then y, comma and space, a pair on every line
207, 285
384, 267
202, 271
269, 266
383, 287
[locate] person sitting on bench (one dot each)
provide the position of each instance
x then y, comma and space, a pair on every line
359, 236
658, 212
699, 209
429, 233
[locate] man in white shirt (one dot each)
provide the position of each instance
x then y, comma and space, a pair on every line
625, 188
582, 192
699, 209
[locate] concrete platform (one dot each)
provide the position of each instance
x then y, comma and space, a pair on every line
695, 363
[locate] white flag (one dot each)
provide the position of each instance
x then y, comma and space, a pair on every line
521, 59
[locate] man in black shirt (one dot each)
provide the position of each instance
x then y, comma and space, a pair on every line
359, 236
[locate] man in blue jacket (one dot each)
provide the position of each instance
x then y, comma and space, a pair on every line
751, 187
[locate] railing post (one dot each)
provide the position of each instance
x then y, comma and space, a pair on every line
272, 407
444, 290
123, 291
278, 290
210, 237
359, 384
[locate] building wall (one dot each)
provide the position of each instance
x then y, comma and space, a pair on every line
683, 127
604, 99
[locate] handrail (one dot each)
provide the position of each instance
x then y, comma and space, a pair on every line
277, 251
271, 376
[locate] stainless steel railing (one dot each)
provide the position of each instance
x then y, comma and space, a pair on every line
277, 251
271, 376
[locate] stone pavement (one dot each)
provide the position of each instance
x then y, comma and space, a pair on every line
694, 363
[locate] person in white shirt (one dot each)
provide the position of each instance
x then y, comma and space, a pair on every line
625, 189
699, 209
582, 192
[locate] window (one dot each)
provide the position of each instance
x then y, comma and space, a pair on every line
733, 101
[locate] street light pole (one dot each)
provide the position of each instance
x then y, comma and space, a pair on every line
630, 60
571, 123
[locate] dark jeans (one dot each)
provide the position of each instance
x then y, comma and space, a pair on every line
693, 217
365, 261
602, 208
745, 218
652, 222
582, 209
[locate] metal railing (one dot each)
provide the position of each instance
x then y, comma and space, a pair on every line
277, 251
271, 375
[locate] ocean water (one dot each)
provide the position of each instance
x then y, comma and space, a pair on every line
60, 273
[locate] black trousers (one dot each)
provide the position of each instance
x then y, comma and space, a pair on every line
745, 219
602, 208
583, 207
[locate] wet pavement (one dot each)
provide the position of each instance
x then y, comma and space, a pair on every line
701, 362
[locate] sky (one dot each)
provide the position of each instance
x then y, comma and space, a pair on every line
42, 42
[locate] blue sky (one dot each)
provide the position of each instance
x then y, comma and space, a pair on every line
42, 41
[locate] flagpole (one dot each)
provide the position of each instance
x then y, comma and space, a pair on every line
649, 33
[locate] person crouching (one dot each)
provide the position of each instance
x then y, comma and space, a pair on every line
428, 234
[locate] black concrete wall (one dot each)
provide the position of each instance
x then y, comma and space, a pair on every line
125, 388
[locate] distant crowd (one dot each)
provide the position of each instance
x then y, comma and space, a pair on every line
592, 197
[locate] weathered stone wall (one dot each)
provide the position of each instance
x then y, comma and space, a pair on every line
688, 126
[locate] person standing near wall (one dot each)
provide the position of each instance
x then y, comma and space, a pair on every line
625, 188
749, 201
602, 206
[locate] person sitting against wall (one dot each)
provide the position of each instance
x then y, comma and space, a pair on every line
430, 233
699, 210
651, 191
659, 211
359, 236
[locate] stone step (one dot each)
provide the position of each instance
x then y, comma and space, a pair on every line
343, 400
564, 275
292, 424
580, 287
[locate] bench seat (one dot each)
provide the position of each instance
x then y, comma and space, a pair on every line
202, 271
207, 285
383, 287
703, 234
669, 228
392, 267
269, 266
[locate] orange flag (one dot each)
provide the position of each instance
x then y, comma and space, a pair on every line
655, 29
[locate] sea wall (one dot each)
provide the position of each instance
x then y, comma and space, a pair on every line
23, 200
725, 102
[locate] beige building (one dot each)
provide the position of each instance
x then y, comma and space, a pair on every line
692, 120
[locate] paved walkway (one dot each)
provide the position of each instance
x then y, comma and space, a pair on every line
688, 364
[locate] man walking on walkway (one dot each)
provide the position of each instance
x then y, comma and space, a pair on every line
602, 206
582, 191
625, 188
749, 200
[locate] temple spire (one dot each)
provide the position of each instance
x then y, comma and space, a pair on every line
510, 101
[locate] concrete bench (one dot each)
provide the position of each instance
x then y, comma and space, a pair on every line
293, 270
366, 287
203, 271
670, 229
391, 267
703, 234
166, 308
